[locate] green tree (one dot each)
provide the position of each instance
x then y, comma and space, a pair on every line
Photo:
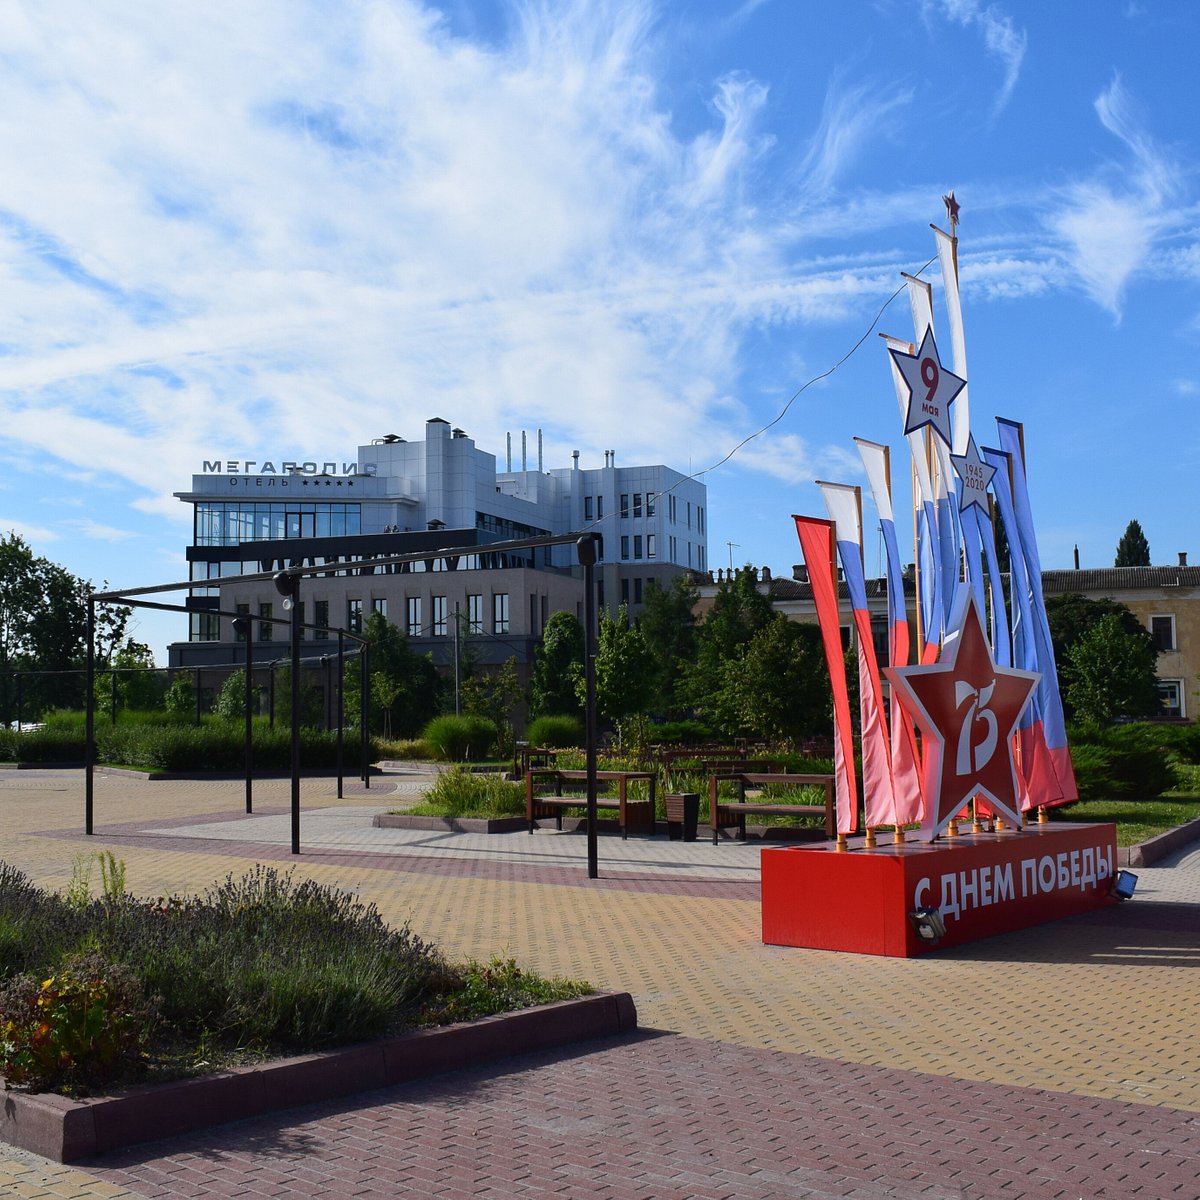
1071, 616
739, 610
138, 684
623, 671
411, 681
668, 625
43, 628
231, 699
557, 659
1133, 550
1110, 674
494, 694
311, 709
180, 697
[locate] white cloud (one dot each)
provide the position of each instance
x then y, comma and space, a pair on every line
1002, 38
95, 531
1110, 222
851, 117
33, 534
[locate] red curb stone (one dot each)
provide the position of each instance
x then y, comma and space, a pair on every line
66, 1130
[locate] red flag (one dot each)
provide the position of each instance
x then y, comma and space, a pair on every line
818, 547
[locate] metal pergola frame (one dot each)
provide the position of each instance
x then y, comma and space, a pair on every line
287, 582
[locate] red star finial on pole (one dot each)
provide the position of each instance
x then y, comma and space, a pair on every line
951, 210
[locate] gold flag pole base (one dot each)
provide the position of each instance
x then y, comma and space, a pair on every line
976, 823
869, 840
952, 828
841, 843
898, 836
1043, 815
998, 824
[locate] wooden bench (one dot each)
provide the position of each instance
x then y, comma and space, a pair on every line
638, 814
732, 813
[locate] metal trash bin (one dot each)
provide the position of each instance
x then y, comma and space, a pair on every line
683, 815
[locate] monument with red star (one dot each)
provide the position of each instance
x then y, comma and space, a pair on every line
967, 709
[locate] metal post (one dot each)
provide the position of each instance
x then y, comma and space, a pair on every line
112, 703
365, 654
20, 714
271, 698
341, 706
586, 550
327, 663
196, 690
89, 749
288, 586
457, 705
295, 585
243, 625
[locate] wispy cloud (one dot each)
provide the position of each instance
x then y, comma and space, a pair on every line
1001, 36
852, 116
1110, 221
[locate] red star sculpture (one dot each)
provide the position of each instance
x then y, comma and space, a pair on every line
951, 208
966, 708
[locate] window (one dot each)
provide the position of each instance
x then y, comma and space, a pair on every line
624, 591
625, 546
379, 605
637, 545
475, 613
412, 623
881, 641
637, 504
587, 508
243, 610
1162, 629
599, 508
321, 618
671, 508
533, 614
650, 545
500, 612
845, 631
624, 504
1170, 692
637, 591
354, 618
649, 504
266, 627
689, 514
699, 518
439, 616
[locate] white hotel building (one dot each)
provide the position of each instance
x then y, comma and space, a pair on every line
402, 497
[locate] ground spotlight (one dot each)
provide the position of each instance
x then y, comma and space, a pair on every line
1123, 886
929, 925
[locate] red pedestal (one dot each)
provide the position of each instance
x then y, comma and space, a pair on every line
982, 884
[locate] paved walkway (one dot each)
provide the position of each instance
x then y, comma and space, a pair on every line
1059, 1061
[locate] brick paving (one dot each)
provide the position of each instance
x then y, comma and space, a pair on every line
1059, 1061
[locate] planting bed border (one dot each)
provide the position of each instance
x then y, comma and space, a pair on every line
67, 1130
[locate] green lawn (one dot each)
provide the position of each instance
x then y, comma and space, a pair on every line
1136, 820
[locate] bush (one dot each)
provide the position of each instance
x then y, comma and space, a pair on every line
460, 738
1122, 762
555, 731
462, 793
681, 733
405, 749
85, 1026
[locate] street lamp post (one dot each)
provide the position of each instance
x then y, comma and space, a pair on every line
288, 586
585, 548
243, 626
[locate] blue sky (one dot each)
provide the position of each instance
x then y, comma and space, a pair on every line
274, 230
